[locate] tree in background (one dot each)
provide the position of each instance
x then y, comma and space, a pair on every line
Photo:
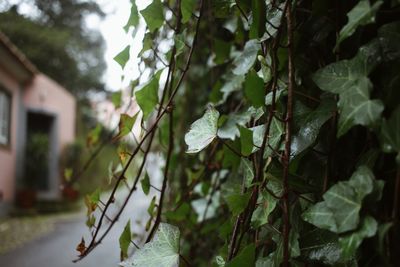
54, 36
56, 39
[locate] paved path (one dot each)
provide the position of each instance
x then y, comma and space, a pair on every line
57, 249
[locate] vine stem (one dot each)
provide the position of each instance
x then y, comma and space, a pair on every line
171, 133
150, 133
288, 137
245, 218
231, 148
396, 197
96, 152
241, 11
185, 260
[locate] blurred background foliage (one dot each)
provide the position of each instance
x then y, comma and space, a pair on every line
56, 39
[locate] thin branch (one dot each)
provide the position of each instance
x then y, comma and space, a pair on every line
170, 9
396, 198
133, 243
158, 57
155, 188
185, 260
288, 137
247, 214
165, 180
241, 11
232, 149
306, 96
94, 155
150, 133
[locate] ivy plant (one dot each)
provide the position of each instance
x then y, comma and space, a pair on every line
278, 124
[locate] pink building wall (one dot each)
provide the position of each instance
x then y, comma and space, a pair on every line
45, 94
41, 94
8, 153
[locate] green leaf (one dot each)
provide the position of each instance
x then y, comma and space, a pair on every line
133, 18
187, 8
383, 230
93, 136
294, 249
90, 221
362, 181
203, 131
389, 39
345, 205
275, 135
145, 182
309, 130
266, 68
278, 94
153, 15
152, 206
273, 21
125, 240
246, 168
321, 245
356, 107
221, 51
231, 159
95, 196
263, 210
233, 83
266, 262
348, 78
350, 242
68, 174
321, 216
147, 97
163, 250
339, 212
338, 77
179, 214
179, 40
246, 58
361, 14
246, 141
245, 258
229, 129
116, 99
222, 8
123, 56
91, 201
390, 134
220, 261
147, 43
254, 89
125, 125
237, 202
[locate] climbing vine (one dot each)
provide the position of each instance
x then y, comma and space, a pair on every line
278, 123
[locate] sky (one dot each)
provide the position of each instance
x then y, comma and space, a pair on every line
111, 27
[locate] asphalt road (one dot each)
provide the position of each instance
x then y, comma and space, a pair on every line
57, 249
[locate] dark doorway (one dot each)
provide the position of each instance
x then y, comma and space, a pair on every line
38, 151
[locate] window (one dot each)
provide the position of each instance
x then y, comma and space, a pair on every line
5, 107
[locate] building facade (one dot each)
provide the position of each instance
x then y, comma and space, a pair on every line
34, 110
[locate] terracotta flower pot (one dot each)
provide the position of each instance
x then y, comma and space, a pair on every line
26, 198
